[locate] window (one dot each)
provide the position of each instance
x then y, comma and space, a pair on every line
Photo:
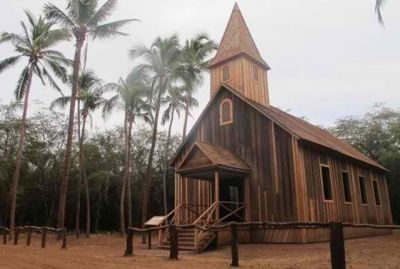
376, 192
363, 191
226, 73
225, 112
326, 182
346, 187
255, 72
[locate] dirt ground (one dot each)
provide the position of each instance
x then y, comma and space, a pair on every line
105, 251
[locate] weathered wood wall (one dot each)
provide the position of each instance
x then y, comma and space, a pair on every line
241, 78
264, 146
319, 209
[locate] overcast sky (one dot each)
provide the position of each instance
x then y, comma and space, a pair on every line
328, 58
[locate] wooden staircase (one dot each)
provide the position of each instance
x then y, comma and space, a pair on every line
187, 240
194, 238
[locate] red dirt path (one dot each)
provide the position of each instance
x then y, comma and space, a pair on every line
106, 251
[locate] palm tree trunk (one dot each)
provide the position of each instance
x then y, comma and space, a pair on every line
122, 198
186, 117
150, 161
78, 198
70, 133
82, 162
18, 158
128, 173
166, 163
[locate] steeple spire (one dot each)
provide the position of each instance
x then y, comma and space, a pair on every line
237, 40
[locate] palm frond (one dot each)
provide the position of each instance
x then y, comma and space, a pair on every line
22, 84
109, 29
54, 37
378, 6
30, 17
54, 14
51, 81
59, 70
102, 13
14, 39
8, 62
60, 102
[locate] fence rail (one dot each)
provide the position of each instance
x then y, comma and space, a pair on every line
60, 232
336, 240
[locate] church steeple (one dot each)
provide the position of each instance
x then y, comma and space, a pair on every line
238, 62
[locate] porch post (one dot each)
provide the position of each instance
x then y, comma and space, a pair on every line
216, 193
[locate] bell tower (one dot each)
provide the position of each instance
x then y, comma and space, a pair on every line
238, 62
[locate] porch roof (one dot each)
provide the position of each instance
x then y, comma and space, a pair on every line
202, 155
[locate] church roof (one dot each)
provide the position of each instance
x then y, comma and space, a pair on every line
237, 40
301, 129
217, 155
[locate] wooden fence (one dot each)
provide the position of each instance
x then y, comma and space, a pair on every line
336, 242
28, 230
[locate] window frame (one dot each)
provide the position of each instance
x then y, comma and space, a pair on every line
230, 121
375, 180
361, 190
349, 187
322, 166
255, 72
226, 67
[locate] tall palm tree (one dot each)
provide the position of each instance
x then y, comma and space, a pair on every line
160, 59
175, 102
91, 96
131, 97
36, 45
378, 6
193, 63
83, 18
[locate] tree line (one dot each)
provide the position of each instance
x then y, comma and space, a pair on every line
166, 75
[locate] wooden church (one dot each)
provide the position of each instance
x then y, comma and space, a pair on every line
246, 160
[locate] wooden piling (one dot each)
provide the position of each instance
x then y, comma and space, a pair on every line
174, 248
129, 243
44, 233
149, 239
64, 239
4, 235
16, 235
338, 257
29, 236
234, 245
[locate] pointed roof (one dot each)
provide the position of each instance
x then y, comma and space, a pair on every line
237, 40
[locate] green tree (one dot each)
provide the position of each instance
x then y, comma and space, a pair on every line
160, 60
36, 45
131, 96
175, 102
193, 63
91, 95
83, 19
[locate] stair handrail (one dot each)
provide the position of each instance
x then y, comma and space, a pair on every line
163, 235
212, 207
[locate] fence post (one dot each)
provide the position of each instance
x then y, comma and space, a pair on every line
234, 245
338, 257
174, 245
16, 235
29, 236
64, 239
44, 233
149, 239
129, 243
4, 235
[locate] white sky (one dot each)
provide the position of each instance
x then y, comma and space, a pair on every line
329, 58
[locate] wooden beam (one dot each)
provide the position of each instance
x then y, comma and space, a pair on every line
216, 193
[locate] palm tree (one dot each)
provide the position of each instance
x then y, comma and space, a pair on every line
91, 96
193, 63
83, 19
378, 6
175, 102
131, 97
36, 45
160, 59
